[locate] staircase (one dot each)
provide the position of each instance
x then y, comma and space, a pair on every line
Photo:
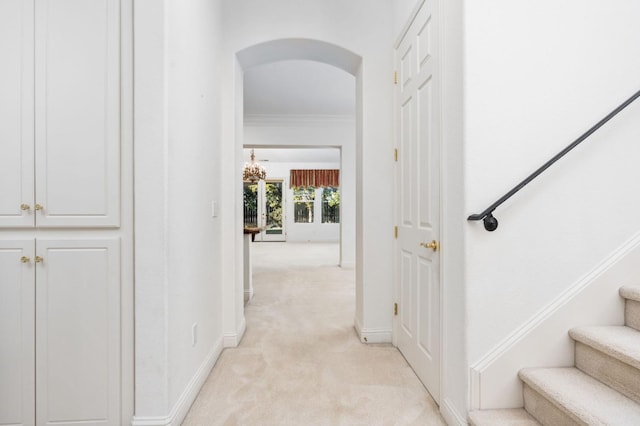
602, 389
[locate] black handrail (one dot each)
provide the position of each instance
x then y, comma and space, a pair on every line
490, 222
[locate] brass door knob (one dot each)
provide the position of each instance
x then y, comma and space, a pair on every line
39, 259
432, 245
39, 207
25, 259
25, 207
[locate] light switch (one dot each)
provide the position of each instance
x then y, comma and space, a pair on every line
214, 209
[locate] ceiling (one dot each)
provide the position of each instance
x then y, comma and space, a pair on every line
298, 87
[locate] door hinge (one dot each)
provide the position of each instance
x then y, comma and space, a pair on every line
395, 77
395, 309
395, 232
395, 154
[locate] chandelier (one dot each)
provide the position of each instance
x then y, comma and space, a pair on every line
253, 172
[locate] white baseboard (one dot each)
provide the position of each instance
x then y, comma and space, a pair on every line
372, 335
232, 340
183, 404
451, 415
543, 340
248, 294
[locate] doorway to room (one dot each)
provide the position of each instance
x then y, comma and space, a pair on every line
306, 131
301, 198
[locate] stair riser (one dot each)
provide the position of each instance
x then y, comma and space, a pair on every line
544, 411
504, 417
632, 314
610, 371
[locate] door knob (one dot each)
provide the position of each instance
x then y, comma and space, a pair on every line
432, 245
39, 259
39, 207
25, 259
25, 207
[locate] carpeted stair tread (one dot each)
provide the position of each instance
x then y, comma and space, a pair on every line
582, 397
631, 292
620, 342
505, 417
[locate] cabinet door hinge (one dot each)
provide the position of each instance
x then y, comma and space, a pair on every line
395, 232
395, 77
395, 309
395, 154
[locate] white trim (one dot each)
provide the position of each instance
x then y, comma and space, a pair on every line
297, 120
451, 415
348, 265
232, 340
478, 383
248, 294
372, 335
184, 402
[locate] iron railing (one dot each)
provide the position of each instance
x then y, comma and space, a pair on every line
490, 222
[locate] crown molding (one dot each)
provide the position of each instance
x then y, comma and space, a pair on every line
298, 120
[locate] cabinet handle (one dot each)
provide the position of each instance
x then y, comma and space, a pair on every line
39, 206
25, 259
39, 259
25, 207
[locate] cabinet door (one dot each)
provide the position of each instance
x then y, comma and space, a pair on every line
17, 346
78, 332
77, 122
16, 113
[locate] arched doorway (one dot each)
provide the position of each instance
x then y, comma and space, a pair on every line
265, 53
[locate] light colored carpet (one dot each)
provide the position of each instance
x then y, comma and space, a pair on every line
300, 362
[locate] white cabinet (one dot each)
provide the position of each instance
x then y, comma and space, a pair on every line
60, 352
60, 109
61, 356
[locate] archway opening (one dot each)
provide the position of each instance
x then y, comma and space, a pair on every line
301, 50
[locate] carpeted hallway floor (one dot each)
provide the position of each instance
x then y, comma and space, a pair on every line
300, 362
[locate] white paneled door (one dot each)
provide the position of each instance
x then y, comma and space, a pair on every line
17, 307
16, 113
77, 113
417, 262
78, 332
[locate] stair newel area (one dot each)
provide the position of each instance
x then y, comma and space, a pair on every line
602, 389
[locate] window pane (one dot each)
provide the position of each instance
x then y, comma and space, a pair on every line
273, 208
303, 203
250, 198
331, 205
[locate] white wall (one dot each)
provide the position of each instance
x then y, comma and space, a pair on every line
177, 241
454, 374
537, 75
367, 32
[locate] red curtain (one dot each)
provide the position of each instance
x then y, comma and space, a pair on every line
314, 178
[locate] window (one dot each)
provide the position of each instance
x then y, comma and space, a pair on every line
250, 198
330, 205
303, 204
